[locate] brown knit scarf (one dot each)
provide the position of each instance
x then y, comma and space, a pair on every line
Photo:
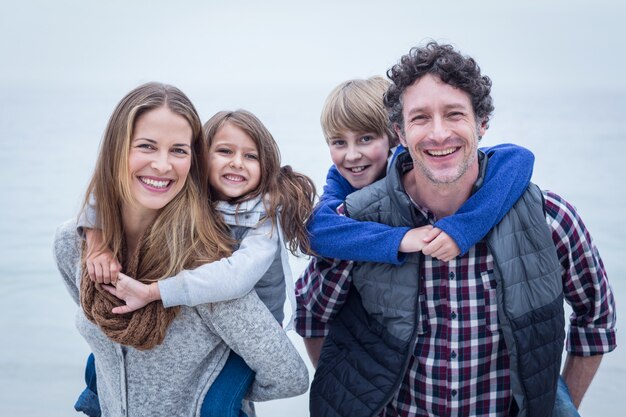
142, 329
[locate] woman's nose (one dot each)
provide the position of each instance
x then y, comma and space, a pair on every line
161, 162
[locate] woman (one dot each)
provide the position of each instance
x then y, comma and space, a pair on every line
151, 193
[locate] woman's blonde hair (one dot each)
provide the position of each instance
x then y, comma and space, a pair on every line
357, 106
186, 233
288, 194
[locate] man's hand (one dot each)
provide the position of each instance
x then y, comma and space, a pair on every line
440, 245
102, 267
578, 372
314, 348
134, 293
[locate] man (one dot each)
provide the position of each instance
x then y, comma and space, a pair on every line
483, 333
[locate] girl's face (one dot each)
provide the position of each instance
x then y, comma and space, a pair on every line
159, 159
361, 158
234, 168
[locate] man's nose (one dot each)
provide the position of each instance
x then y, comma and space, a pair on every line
439, 129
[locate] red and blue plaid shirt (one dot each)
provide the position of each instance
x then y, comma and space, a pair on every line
460, 364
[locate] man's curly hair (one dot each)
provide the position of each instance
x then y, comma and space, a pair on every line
453, 68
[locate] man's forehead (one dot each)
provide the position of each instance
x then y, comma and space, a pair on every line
430, 90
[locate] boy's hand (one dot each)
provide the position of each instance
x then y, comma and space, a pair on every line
102, 267
414, 239
134, 293
440, 245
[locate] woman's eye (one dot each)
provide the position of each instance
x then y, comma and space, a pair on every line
180, 151
145, 146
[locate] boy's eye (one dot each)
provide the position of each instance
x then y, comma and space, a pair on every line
337, 142
367, 138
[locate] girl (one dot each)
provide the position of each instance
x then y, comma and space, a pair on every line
266, 207
150, 189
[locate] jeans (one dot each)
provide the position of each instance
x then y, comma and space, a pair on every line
225, 396
223, 399
88, 400
563, 405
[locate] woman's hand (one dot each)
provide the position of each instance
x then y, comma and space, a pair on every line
134, 293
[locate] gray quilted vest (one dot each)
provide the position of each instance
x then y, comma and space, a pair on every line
368, 349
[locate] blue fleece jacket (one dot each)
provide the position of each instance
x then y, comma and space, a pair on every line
508, 174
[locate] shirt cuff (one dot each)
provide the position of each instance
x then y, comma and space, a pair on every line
589, 341
308, 326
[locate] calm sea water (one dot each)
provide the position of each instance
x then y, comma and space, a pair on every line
49, 141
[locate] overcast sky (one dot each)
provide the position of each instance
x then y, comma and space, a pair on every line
242, 44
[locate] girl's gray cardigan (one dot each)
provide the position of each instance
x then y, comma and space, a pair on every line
172, 378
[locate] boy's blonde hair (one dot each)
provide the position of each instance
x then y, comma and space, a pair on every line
357, 106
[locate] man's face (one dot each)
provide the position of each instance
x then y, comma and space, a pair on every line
440, 130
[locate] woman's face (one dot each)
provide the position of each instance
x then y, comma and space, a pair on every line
159, 158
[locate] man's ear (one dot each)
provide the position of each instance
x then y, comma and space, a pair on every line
483, 128
400, 133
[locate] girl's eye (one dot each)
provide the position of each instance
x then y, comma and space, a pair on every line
224, 151
252, 156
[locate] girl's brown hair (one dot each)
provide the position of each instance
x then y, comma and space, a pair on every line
288, 195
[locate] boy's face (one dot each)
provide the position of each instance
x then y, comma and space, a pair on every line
361, 158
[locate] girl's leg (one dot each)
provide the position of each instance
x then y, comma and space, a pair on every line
88, 400
225, 396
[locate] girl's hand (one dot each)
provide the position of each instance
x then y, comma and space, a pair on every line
413, 240
440, 245
134, 293
102, 267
